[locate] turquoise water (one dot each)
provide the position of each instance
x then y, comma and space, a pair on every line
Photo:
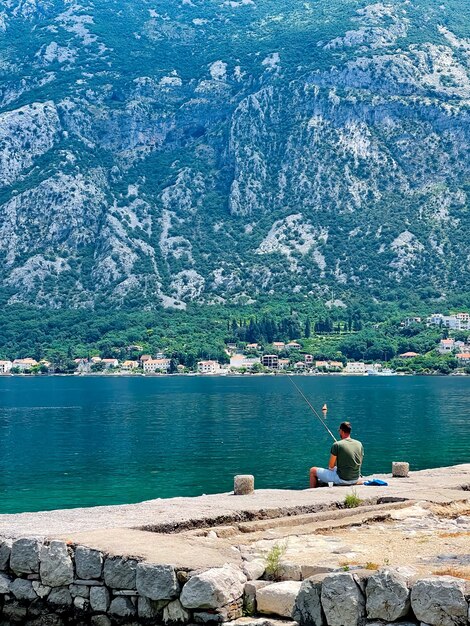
78, 441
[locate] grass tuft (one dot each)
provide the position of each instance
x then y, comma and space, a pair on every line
352, 500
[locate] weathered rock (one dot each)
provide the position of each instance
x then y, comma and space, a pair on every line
308, 610
175, 613
182, 576
5, 551
146, 608
88, 563
249, 594
157, 582
119, 573
56, 567
23, 589
253, 570
100, 620
440, 601
388, 596
213, 588
122, 607
40, 589
81, 604
99, 599
24, 557
79, 591
278, 598
314, 570
4, 584
60, 596
289, 571
342, 600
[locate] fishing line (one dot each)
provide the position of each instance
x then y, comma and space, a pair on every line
310, 405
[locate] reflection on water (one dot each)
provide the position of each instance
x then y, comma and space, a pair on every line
68, 442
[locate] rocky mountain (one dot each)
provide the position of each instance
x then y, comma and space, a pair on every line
157, 153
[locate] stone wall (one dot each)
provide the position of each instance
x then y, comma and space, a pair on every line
53, 583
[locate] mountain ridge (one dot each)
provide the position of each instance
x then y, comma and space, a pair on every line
147, 158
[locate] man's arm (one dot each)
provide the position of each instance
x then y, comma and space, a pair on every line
332, 462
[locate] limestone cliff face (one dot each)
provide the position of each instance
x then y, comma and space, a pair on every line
156, 157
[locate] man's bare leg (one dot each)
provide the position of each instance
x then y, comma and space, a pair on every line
313, 478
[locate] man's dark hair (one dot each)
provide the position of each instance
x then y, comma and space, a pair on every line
345, 427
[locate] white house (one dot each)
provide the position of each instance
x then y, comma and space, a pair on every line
156, 365
108, 363
208, 367
5, 367
446, 346
24, 364
355, 368
238, 361
130, 365
463, 358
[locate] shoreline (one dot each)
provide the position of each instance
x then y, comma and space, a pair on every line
233, 375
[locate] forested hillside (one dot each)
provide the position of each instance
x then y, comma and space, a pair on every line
210, 151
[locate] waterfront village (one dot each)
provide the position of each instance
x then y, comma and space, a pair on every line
254, 358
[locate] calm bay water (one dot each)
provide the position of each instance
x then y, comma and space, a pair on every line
84, 441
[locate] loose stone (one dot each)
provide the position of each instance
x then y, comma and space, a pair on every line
23, 589
119, 573
122, 607
99, 599
388, 596
88, 563
40, 589
254, 569
308, 610
56, 567
5, 551
24, 558
4, 584
278, 598
80, 603
79, 591
213, 588
342, 600
440, 601
157, 582
146, 608
175, 613
60, 596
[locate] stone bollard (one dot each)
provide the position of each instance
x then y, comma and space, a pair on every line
243, 484
400, 469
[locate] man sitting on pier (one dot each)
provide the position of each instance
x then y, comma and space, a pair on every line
345, 463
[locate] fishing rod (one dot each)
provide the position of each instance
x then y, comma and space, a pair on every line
310, 405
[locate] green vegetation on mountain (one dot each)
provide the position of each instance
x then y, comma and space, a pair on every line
178, 154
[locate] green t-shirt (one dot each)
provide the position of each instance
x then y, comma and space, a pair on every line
349, 454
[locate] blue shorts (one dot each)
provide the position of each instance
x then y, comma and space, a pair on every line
331, 476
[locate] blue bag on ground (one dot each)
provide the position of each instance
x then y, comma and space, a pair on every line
376, 482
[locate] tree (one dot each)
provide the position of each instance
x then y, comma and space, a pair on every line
307, 330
